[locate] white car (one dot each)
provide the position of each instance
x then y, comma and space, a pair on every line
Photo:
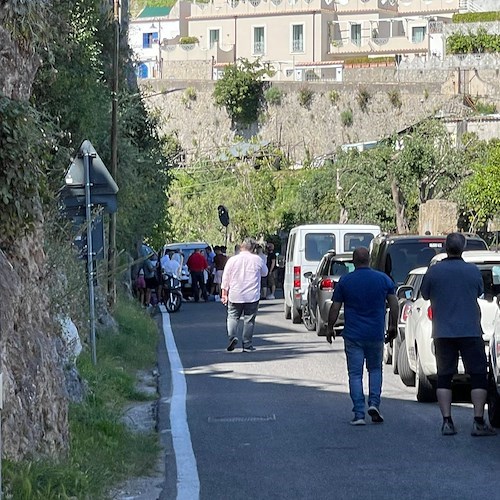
418, 343
405, 302
494, 360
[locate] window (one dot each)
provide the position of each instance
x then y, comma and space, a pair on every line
258, 40
355, 240
317, 244
148, 39
418, 34
213, 37
356, 34
297, 38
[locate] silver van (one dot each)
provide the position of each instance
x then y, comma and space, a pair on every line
306, 246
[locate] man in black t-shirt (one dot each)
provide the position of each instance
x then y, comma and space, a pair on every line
271, 266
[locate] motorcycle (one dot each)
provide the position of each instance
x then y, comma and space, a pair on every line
171, 293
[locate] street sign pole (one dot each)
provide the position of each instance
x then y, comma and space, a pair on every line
87, 159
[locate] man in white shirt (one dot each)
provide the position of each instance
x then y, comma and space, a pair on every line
240, 290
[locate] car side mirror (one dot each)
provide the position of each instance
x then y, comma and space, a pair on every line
405, 292
308, 274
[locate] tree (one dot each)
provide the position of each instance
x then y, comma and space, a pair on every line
482, 189
241, 90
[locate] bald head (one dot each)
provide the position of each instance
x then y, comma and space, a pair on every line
361, 257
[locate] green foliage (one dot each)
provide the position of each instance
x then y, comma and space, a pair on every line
482, 189
188, 40
334, 96
366, 59
363, 98
485, 108
346, 117
473, 43
240, 91
29, 23
26, 143
476, 17
273, 96
73, 89
189, 96
394, 96
102, 451
306, 96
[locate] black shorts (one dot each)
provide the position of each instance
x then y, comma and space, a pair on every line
473, 356
151, 283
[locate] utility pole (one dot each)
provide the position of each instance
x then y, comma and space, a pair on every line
114, 154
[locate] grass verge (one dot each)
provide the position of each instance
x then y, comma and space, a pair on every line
103, 451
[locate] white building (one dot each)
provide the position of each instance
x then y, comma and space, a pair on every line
152, 29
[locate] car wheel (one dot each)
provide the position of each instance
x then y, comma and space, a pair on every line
296, 316
320, 326
426, 393
307, 319
396, 346
287, 310
493, 401
406, 374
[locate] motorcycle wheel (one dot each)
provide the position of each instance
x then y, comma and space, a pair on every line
173, 302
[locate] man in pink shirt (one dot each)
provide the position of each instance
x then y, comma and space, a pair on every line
240, 290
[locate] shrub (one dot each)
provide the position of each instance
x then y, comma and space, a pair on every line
189, 96
363, 99
188, 40
485, 108
346, 117
273, 96
395, 98
305, 97
476, 17
334, 96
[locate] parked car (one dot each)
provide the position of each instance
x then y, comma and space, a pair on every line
418, 343
319, 293
186, 249
305, 248
397, 255
494, 360
414, 279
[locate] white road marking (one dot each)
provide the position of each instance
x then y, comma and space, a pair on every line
188, 482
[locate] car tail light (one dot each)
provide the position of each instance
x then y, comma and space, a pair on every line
429, 312
498, 347
327, 284
406, 312
296, 277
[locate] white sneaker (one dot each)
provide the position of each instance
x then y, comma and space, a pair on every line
270, 297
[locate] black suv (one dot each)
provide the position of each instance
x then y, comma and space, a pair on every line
397, 255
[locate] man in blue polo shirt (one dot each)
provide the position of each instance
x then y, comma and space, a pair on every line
453, 287
364, 293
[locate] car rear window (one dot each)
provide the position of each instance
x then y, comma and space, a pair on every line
339, 268
317, 244
404, 256
355, 240
471, 244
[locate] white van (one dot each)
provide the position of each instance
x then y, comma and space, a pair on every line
306, 246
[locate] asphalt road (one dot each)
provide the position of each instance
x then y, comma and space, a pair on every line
274, 424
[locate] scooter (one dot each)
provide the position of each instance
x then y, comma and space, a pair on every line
171, 293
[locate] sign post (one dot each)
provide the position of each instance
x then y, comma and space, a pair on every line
89, 184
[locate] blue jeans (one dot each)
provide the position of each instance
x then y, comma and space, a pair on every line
234, 313
356, 352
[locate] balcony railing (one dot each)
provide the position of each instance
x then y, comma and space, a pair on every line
298, 46
258, 47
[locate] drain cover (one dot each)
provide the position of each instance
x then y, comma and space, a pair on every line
255, 418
